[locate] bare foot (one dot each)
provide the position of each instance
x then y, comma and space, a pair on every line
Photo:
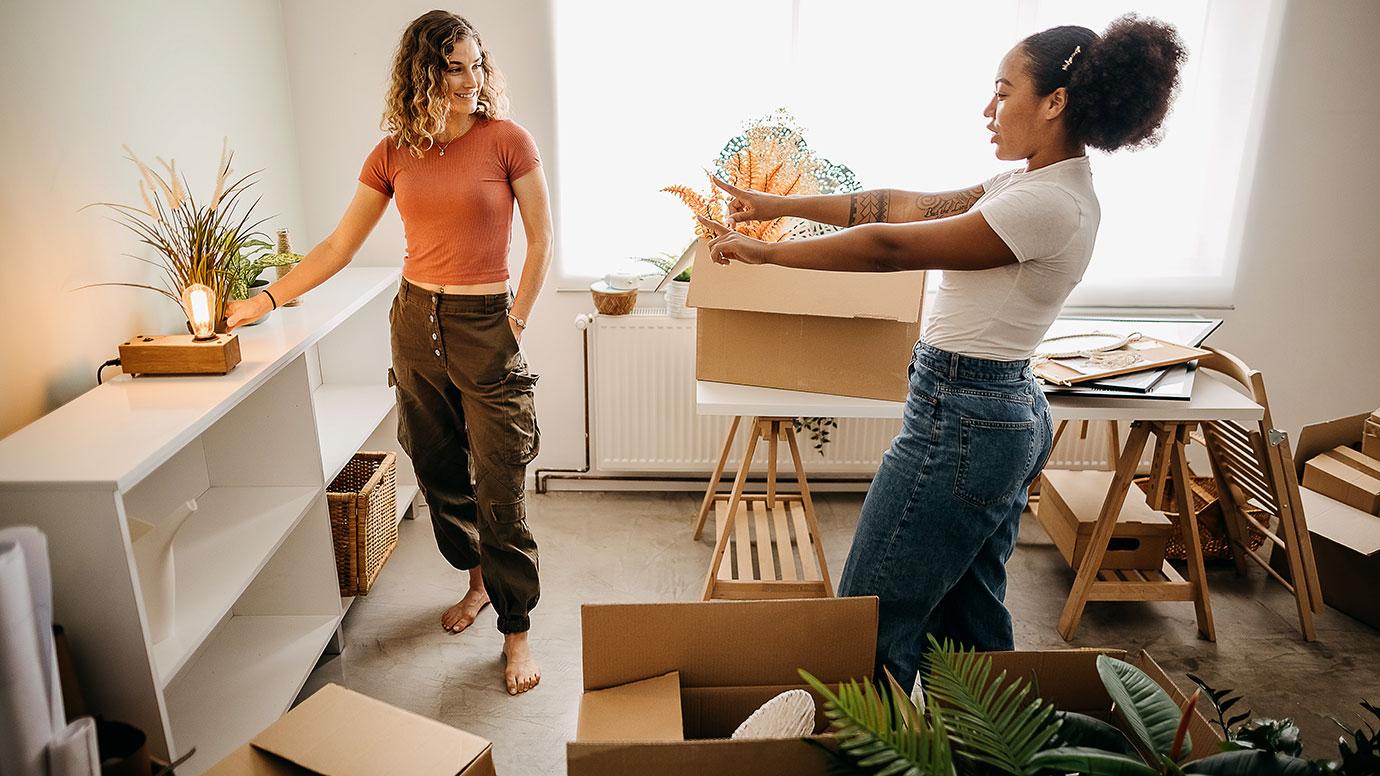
522, 672
461, 616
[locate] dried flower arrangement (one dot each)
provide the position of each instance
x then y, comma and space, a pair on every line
770, 155
197, 244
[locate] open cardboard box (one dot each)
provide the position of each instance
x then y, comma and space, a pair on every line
665, 685
343, 733
1346, 540
842, 333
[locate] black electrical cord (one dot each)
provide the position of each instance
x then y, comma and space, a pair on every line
111, 362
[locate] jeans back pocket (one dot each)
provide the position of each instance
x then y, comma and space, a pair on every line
994, 459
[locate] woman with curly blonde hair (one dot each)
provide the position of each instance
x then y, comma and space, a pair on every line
466, 415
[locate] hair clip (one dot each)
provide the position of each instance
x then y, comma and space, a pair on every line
1069, 61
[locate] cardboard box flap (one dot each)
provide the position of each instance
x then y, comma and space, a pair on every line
892, 296
648, 710
1321, 437
1345, 525
1083, 492
729, 643
343, 733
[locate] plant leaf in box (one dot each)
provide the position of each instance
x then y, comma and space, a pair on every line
992, 721
1250, 762
1150, 713
879, 735
1091, 760
1079, 730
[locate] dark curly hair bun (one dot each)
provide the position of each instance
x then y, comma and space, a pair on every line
1120, 84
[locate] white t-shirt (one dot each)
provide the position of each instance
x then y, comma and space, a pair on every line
1048, 218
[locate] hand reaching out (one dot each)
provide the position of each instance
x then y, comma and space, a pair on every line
728, 245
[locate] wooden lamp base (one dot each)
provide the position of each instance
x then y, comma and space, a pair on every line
180, 354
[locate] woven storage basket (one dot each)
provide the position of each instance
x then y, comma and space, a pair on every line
613, 302
363, 505
1210, 530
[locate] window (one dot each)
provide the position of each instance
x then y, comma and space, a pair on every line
895, 89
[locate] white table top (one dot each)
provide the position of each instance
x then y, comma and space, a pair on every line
115, 434
1212, 399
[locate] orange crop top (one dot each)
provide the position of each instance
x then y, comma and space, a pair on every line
457, 208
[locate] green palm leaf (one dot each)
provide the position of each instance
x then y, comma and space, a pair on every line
883, 734
1097, 762
1151, 714
991, 721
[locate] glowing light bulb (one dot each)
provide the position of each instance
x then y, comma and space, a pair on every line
199, 302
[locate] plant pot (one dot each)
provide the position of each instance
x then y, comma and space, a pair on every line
676, 293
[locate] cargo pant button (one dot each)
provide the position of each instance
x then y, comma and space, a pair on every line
438, 352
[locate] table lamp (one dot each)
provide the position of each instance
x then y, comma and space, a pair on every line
203, 352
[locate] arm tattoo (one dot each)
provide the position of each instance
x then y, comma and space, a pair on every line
946, 204
867, 207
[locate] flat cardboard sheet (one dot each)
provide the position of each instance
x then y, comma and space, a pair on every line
888, 296
648, 710
1154, 353
343, 733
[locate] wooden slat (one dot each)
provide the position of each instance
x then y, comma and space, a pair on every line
766, 566
1249, 468
720, 521
724, 497
1141, 591
756, 590
1263, 496
742, 544
782, 532
804, 543
1228, 430
771, 461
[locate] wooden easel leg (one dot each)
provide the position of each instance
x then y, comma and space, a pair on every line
1298, 550
1113, 441
1102, 531
1188, 527
1310, 567
734, 501
713, 489
809, 504
775, 433
1159, 470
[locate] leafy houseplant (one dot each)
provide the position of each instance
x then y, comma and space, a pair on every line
678, 289
196, 243
975, 723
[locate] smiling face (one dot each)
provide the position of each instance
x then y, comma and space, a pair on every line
464, 76
1023, 124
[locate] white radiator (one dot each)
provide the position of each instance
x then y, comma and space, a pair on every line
642, 408
643, 418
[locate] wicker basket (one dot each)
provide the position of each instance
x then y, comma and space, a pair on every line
1210, 530
363, 505
613, 302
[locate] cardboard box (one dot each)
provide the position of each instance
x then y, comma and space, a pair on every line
842, 333
1347, 476
732, 656
342, 733
1370, 436
1346, 541
1070, 502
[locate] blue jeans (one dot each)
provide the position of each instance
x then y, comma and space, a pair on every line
941, 517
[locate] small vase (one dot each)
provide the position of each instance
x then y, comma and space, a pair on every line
676, 293
153, 555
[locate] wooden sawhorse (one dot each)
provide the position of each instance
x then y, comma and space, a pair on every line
776, 547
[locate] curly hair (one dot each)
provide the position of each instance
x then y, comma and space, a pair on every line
1120, 84
418, 102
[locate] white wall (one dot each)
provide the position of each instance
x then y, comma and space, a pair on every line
1307, 305
77, 80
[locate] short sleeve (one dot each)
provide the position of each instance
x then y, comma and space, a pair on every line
377, 174
1036, 220
519, 152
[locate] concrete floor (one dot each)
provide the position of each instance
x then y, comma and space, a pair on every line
636, 547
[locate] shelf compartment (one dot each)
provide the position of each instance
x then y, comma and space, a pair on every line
218, 553
346, 416
246, 676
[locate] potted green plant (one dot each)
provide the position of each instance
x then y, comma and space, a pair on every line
198, 244
975, 723
678, 287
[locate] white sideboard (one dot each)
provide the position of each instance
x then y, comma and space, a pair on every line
256, 599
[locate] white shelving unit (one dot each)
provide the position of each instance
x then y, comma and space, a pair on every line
256, 599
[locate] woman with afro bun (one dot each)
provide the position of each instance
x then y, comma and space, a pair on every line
941, 517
